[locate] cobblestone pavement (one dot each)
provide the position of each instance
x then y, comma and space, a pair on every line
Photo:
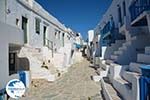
76, 84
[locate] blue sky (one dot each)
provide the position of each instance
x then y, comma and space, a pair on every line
79, 15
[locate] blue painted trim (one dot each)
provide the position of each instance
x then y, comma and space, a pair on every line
145, 83
22, 77
78, 46
144, 88
138, 7
2, 93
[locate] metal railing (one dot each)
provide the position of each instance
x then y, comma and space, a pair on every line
106, 28
106, 32
49, 44
138, 7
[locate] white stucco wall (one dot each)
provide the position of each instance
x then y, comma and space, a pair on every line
32, 10
113, 10
90, 36
13, 33
9, 35
2, 10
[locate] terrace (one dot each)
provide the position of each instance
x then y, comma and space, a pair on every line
138, 10
108, 33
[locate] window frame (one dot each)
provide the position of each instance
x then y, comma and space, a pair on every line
124, 8
12, 63
37, 25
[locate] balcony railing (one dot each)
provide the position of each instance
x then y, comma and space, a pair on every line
138, 7
49, 44
106, 28
106, 33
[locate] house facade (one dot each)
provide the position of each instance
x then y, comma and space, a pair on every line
41, 42
96, 47
124, 42
11, 42
90, 44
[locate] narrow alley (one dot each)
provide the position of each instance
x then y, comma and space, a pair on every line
76, 84
74, 49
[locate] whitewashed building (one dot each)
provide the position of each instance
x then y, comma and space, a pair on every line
90, 44
125, 46
11, 41
30, 33
96, 47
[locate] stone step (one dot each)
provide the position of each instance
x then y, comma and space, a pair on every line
121, 81
120, 41
143, 58
127, 43
104, 73
129, 76
38, 56
122, 48
48, 77
134, 38
103, 65
108, 62
114, 57
147, 50
96, 78
42, 74
123, 87
118, 52
103, 68
113, 44
135, 67
108, 90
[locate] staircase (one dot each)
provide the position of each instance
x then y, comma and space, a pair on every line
62, 58
36, 60
124, 79
134, 67
122, 89
132, 47
114, 46
133, 72
104, 64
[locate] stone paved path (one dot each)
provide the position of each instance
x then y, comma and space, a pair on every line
76, 84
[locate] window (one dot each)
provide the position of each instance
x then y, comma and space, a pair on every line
44, 35
59, 35
17, 21
63, 43
124, 8
119, 14
68, 37
55, 35
44, 29
25, 28
96, 44
12, 63
37, 25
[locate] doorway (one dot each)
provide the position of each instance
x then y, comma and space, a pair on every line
44, 35
12, 63
25, 28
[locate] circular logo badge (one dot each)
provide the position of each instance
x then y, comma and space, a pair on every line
15, 88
